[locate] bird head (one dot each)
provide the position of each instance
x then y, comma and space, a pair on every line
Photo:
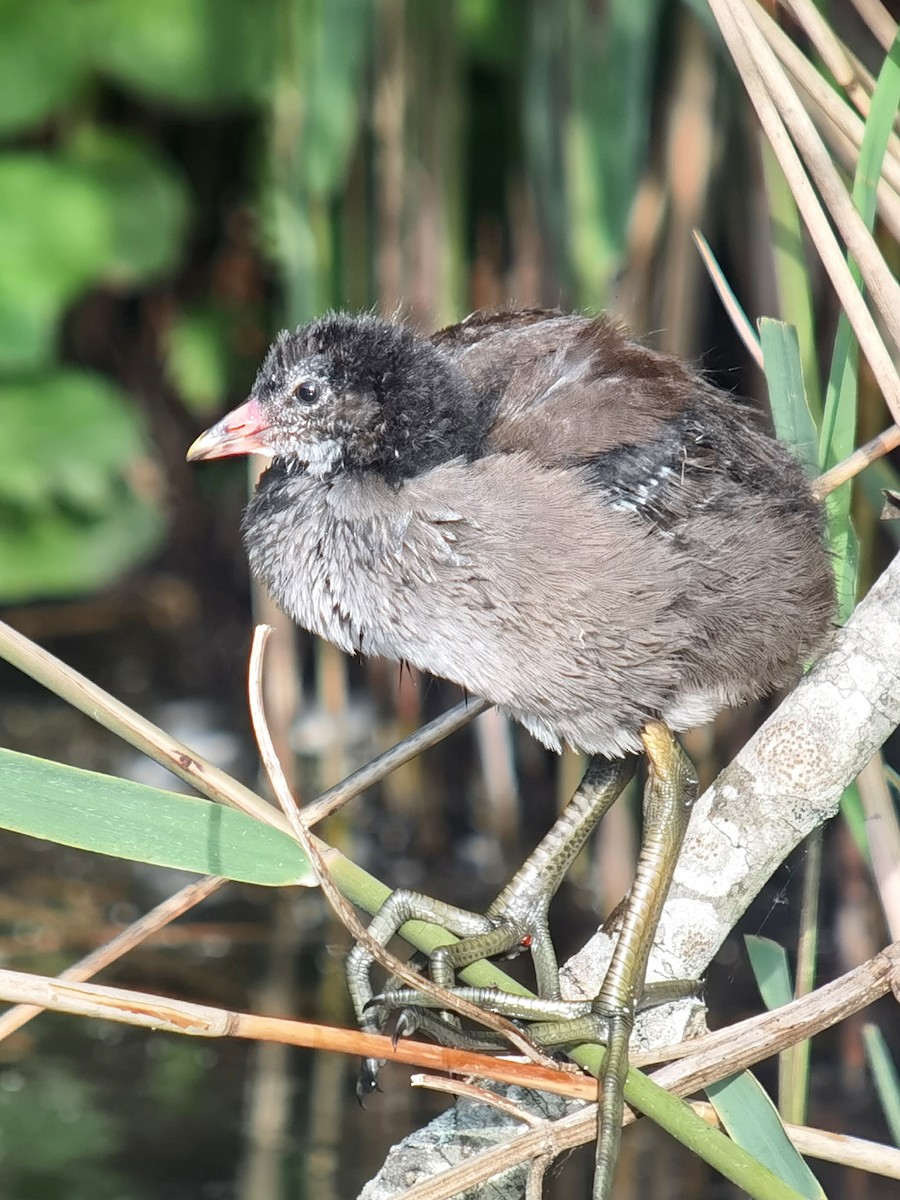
354, 393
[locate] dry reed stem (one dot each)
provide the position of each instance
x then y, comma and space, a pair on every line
460, 1088
883, 444
839, 122
759, 70
713, 1057
833, 52
157, 918
881, 24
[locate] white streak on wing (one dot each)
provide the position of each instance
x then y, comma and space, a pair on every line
571, 376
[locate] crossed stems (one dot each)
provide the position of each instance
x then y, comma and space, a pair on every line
518, 920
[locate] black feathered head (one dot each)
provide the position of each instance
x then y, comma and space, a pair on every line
355, 393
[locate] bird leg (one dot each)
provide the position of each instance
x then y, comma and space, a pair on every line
517, 919
671, 792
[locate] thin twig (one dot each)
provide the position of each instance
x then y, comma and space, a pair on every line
883, 444
157, 918
471, 1091
778, 1028
162, 1013
742, 326
383, 764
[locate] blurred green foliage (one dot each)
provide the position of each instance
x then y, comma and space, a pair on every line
55, 1142
70, 515
89, 202
83, 205
205, 171
361, 119
102, 208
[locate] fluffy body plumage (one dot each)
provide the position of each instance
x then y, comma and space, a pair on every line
552, 516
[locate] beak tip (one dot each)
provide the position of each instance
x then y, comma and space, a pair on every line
240, 432
196, 449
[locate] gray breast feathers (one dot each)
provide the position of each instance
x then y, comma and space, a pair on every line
470, 572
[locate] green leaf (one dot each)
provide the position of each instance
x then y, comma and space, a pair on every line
839, 422
130, 820
77, 505
752, 1121
146, 201
42, 60
794, 422
887, 1081
105, 209
770, 969
792, 272
188, 52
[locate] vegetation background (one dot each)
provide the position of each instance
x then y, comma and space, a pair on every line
178, 181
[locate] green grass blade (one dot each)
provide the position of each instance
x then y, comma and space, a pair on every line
753, 1122
130, 820
792, 272
770, 969
791, 413
887, 1081
769, 963
839, 423
605, 133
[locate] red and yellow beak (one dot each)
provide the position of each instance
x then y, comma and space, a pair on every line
242, 431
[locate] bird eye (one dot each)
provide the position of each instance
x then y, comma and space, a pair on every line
306, 392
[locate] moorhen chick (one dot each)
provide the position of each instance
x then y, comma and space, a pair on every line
561, 521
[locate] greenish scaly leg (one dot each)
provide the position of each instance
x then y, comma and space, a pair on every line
516, 920
670, 794
671, 791
522, 907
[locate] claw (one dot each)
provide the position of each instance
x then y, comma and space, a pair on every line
406, 1026
367, 1083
